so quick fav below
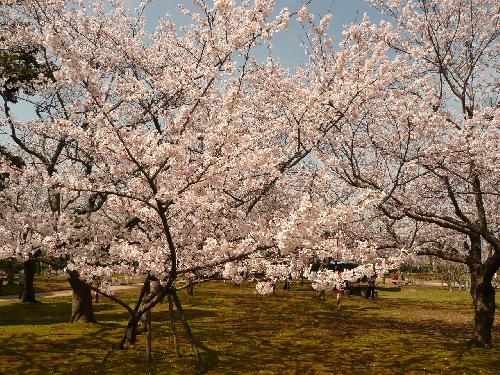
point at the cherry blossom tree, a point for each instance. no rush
(24, 221)
(27, 74)
(170, 157)
(420, 132)
(177, 154)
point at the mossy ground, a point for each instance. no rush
(42, 284)
(405, 331)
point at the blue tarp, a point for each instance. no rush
(340, 264)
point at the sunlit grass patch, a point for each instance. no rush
(41, 283)
(404, 331)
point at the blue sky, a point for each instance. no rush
(286, 45)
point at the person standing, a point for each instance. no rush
(339, 288)
(339, 291)
(49, 273)
(371, 287)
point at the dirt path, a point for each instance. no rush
(64, 293)
(432, 283)
(67, 292)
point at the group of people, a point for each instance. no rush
(345, 290)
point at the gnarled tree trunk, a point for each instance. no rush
(10, 272)
(483, 295)
(28, 294)
(81, 308)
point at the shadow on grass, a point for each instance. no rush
(318, 337)
(26, 357)
(245, 333)
(37, 313)
(44, 313)
(391, 289)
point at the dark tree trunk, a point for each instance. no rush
(81, 308)
(130, 332)
(28, 294)
(10, 272)
(483, 295)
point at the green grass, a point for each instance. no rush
(407, 331)
(41, 285)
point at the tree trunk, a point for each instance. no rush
(81, 308)
(483, 294)
(10, 272)
(130, 332)
(29, 278)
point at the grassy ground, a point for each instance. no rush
(408, 331)
(41, 285)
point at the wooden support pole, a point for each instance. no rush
(187, 330)
(148, 336)
(172, 325)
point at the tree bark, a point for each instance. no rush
(483, 295)
(10, 272)
(29, 278)
(130, 332)
(81, 308)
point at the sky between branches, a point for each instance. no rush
(286, 46)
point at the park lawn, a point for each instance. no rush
(407, 331)
(41, 285)
(56, 283)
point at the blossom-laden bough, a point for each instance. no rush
(419, 134)
(177, 154)
(156, 154)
